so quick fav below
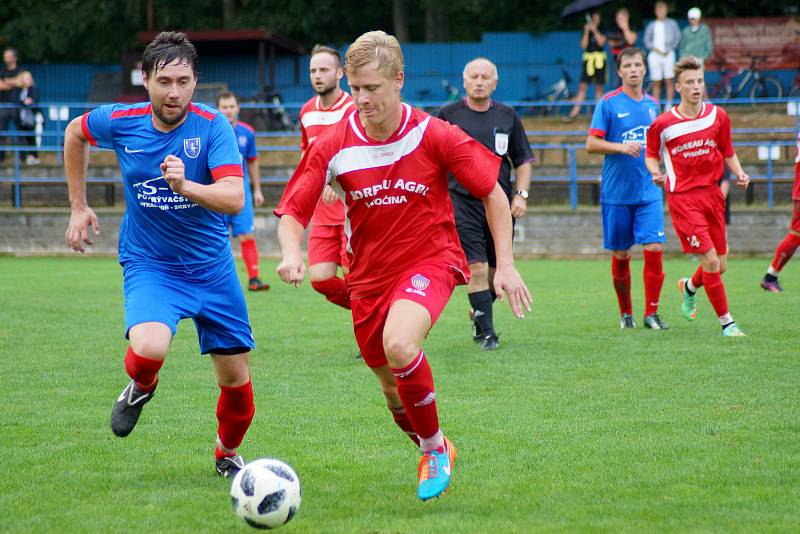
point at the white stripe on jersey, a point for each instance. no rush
(357, 158)
(324, 118)
(682, 128)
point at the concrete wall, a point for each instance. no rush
(542, 233)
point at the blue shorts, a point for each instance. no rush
(242, 222)
(627, 224)
(212, 297)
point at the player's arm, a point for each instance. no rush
(522, 182)
(225, 195)
(506, 279)
(598, 145)
(255, 181)
(742, 178)
(291, 270)
(76, 161)
(654, 168)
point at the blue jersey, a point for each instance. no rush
(160, 225)
(246, 139)
(620, 119)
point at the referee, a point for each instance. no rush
(497, 127)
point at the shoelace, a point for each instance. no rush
(431, 468)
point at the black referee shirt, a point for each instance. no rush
(498, 129)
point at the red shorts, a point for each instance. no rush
(430, 286)
(796, 216)
(328, 244)
(698, 216)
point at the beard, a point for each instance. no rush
(170, 121)
(325, 90)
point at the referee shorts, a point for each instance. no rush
(473, 230)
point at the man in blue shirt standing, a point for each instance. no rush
(632, 207)
(182, 173)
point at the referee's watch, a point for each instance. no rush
(522, 193)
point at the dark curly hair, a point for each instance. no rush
(166, 48)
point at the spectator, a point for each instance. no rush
(696, 38)
(622, 35)
(28, 97)
(10, 83)
(594, 63)
(661, 38)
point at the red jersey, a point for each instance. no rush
(693, 150)
(796, 189)
(399, 213)
(314, 119)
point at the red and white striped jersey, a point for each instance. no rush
(399, 213)
(693, 149)
(314, 119)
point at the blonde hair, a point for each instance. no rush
(687, 63)
(375, 46)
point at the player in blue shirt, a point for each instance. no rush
(242, 223)
(632, 207)
(182, 173)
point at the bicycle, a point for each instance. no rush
(557, 91)
(794, 88)
(762, 86)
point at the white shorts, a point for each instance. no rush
(661, 67)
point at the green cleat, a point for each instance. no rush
(689, 304)
(732, 331)
(626, 321)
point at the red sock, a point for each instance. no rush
(235, 411)
(250, 257)
(715, 290)
(415, 387)
(697, 277)
(334, 289)
(784, 251)
(401, 419)
(621, 273)
(143, 371)
(653, 280)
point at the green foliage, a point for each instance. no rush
(573, 425)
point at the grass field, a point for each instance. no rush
(572, 425)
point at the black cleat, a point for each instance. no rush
(477, 334)
(655, 322)
(626, 321)
(228, 466)
(490, 342)
(255, 284)
(128, 408)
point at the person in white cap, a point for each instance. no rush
(696, 39)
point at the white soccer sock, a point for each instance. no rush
(690, 286)
(432, 443)
(773, 271)
(725, 319)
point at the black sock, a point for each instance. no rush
(770, 278)
(481, 302)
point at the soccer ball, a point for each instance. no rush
(266, 493)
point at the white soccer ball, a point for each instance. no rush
(266, 493)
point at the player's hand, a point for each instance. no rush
(631, 149)
(659, 178)
(292, 270)
(78, 229)
(507, 281)
(519, 207)
(173, 171)
(742, 180)
(258, 197)
(329, 196)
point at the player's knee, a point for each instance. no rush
(399, 350)
(622, 254)
(156, 349)
(653, 247)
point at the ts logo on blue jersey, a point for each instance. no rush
(191, 147)
(636, 135)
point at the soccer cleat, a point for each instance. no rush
(732, 330)
(128, 408)
(490, 342)
(689, 303)
(477, 335)
(626, 321)
(655, 322)
(228, 466)
(255, 284)
(772, 287)
(434, 471)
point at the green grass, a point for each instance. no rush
(572, 425)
